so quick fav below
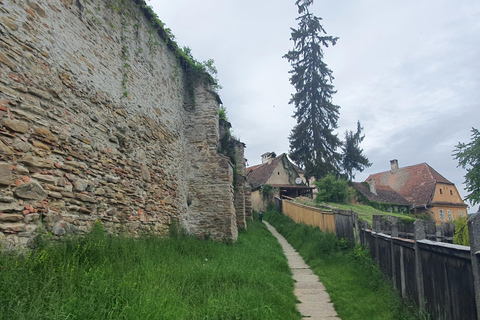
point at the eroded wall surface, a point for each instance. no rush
(96, 124)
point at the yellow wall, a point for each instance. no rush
(455, 212)
(258, 203)
(447, 193)
(447, 198)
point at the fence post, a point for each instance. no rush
(377, 226)
(357, 229)
(419, 234)
(392, 253)
(474, 234)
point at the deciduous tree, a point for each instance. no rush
(313, 144)
(468, 156)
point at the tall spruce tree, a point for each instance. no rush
(353, 157)
(313, 145)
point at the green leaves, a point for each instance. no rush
(468, 156)
(331, 189)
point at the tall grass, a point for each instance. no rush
(102, 277)
(356, 285)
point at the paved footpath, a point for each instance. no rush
(314, 300)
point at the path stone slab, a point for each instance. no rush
(314, 300)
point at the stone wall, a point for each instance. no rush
(97, 124)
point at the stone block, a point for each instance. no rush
(45, 133)
(45, 178)
(6, 177)
(31, 190)
(10, 207)
(15, 125)
(5, 217)
(12, 227)
(36, 161)
(10, 23)
(4, 149)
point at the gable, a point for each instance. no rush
(278, 171)
(281, 175)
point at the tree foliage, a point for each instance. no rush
(331, 189)
(468, 156)
(461, 236)
(313, 145)
(353, 157)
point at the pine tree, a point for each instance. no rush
(352, 157)
(313, 145)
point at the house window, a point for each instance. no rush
(450, 217)
(451, 192)
(441, 191)
(442, 215)
(460, 214)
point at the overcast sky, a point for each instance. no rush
(408, 70)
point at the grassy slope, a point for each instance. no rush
(364, 212)
(356, 286)
(150, 278)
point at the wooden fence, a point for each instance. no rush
(441, 278)
(337, 221)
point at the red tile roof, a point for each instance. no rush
(414, 183)
(385, 194)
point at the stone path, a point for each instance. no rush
(314, 300)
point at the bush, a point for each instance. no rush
(461, 236)
(331, 189)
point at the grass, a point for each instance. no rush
(356, 285)
(102, 277)
(364, 212)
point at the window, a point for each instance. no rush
(441, 191)
(460, 214)
(442, 215)
(451, 192)
(450, 217)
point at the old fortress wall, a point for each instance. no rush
(98, 123)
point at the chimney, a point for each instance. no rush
(371, 183)
(394, 165)
(267, 157)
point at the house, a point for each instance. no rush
(426, 190)
(279, 173)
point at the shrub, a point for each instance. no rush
(331, 189)
(461, 236)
